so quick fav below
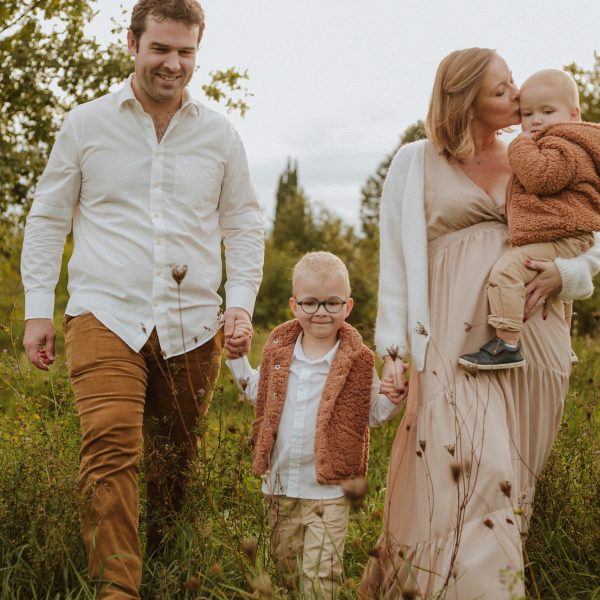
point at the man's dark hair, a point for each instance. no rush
(184, 11)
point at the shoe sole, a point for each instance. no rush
(500, 367)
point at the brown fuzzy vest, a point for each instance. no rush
(555, 192)
(342, 434)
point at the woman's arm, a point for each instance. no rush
(569, 278)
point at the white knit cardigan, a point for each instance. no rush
(403, 308)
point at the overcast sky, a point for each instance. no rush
(335, 82)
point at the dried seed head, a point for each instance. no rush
(393, 352)
(423, 444)
(468, 326)
(216, 570)
(178, 272)
(409, 594)
(350, 584)
(262, 584)
(489, 523)
(249, 546)
(420, 329)
(455, 471)
(192, 584)
(355, 490)
(451, 449)
(510, 521)
(243, 381)
(375, 552)
(232, 429)
(419, 453)
(505, 487)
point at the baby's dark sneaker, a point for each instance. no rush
(495, 355)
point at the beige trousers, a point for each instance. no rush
(509, 276)
(123, 397)
(308, 537)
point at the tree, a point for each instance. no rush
(48, 66)
(588, 83)
(371, 191)
(293, 227)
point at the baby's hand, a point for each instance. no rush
(388, 388)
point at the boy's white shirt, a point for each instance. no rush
(293, 471)
(403, 304)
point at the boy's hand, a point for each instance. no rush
(238, 333)
(393, 380)
(38, 342)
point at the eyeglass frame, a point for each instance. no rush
(320, 303)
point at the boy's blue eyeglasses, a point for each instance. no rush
(311, 305)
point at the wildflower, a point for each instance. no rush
(420, 329)
(192, 584)
(489, 523)
(178, 272)
(451, 449)
(505, 487)
(393, 352)
(355, 490)
(376, 515)
(216, 570)
(249, 545)
(262, 584)
(455, 471)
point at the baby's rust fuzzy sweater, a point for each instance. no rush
(555, 191)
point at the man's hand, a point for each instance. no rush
(238, 332)
(38, 342)
(544, 285)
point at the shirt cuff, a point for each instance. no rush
(240, 368)
(574, 285)
(240, 297)
(39, 305)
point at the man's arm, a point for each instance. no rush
(47, 226)
(241, 225)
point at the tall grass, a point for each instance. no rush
(219, 548)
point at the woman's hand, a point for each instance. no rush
(393, 380)
(544, 285)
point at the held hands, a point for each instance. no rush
(546, 284)
(393, 380)
(238, 332)
(38, 341)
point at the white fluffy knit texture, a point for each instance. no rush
(403, 309)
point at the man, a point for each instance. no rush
(150, 181)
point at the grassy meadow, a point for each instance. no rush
(219, 548)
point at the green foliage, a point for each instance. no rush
(588, 83)
(371, 191)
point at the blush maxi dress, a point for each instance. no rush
(466, 455)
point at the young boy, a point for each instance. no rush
(552, 208)
(316, 395)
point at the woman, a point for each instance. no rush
(465, 459)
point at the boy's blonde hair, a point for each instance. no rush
(321, 265)
(561, 81)
(457, 83)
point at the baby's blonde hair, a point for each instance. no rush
(561, 81)
(321, 265)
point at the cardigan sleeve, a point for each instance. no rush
(577, 273)
(392, 311)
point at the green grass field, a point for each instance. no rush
(212, 552)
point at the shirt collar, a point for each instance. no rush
(299, 353)
(125, 95)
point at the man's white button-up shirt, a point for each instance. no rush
(293, 471)
(137, 208)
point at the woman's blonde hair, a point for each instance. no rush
(322, 266)
(457, 83)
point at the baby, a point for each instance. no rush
(552, 207)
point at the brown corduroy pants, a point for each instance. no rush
(123, 397)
